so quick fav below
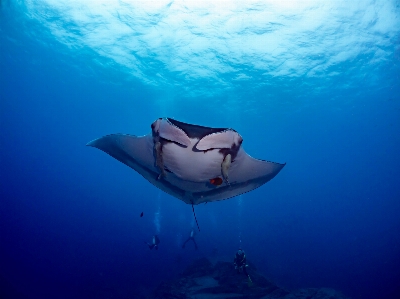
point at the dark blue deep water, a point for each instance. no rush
(314, 84)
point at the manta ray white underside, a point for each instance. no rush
(193, 163)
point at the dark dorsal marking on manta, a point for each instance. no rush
(195, 131)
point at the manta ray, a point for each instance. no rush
(193, 163)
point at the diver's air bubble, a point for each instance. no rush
(240, 207)
(157, 215)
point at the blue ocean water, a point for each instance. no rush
(311, 83)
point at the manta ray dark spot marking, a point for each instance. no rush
(216, 181)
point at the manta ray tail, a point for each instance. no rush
(195, 217)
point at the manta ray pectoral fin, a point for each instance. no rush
(170, 132)
(224, 139)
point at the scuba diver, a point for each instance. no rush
(240, 263)
(154, 243)
(191, 237)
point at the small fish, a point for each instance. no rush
(141, 214)
(216, 181)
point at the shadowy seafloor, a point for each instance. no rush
(203, 279)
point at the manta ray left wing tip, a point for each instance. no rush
(91, 143)
(106, 140)
(97, 141)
